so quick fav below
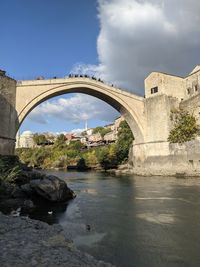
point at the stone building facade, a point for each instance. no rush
(25, 140)
(156, 156)
(182, 88)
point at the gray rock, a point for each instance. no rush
(26, 188)
(6, 189)
(26, 243)
(18, 193)
(9, 205)
(28, 205)
(52, 188)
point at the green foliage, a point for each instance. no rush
(76, 145)
(33, 156)
(10, 169)
(106, 156)
(125, 139)
(60, 154)
(97, 130)
(90, 157)
(185, 127)
(81, 165)
(101, 130)
(60, 140)
(40, 139)
(11, 175)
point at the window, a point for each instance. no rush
(188, 91)
(196, 88)
(154, 90)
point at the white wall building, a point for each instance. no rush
(25, 140)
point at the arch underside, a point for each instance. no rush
(111, 98)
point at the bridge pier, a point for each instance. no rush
(8, 114)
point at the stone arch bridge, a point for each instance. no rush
(29, 94)
(148, 117)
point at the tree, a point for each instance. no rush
(125, 139)
(107, 156)
(185, 127)
(39, 139)
(76, 145)
(60, 140)
(81, 165)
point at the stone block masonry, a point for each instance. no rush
(8, 114)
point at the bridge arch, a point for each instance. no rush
(32, 93)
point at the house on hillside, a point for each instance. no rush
(25, 140)
(110, 137)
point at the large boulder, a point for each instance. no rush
(52, 188)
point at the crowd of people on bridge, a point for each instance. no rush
(84, 76)
(72, 75)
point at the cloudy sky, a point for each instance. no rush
(121, 41)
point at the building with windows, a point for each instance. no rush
(180, 87)
(25, 140)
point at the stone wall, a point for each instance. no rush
(192, 105)
(157, 112)
(192, 84)
(8, 114)
(163, 158)
(167, 84)
(156, 156)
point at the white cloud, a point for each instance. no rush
(140, 36)
(90, 70)
(77, 131)
(136, 37)
(77, 108)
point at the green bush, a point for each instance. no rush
(185, 127)
(125, 139)
(10, 168)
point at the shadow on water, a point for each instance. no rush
(46, 211)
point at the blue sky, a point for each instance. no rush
(122, 41)
(46, 38)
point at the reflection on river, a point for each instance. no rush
(134, 221)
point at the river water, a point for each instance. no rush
(134, 221)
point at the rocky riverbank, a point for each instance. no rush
(21, 187)
(28, 243)
(25, 242)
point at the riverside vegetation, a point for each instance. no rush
(185, 127)
(60, 155)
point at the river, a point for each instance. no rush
(131, 221)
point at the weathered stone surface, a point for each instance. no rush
(52, 188)
(26, 188)
(12, 204)
(18, 193)
(8, 115)
(28, 243)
